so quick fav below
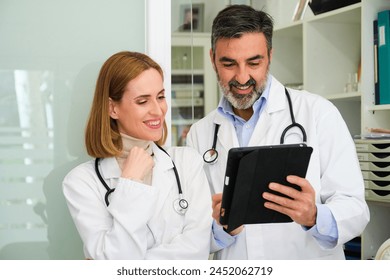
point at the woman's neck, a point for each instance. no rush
(128, 142)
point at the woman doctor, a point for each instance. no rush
(142, 206)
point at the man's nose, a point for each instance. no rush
(242, 75)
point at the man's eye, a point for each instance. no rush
(228, 65)
(161, 97)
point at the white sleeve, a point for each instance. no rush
(114, 232)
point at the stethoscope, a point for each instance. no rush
(180, 204)
(211, 155)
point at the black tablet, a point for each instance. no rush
(249, 171)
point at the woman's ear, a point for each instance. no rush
(112, 109)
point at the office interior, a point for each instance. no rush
(50, 55)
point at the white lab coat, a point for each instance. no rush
(333, 172)
(140, 221)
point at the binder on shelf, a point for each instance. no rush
(376, 69)
(384, 56)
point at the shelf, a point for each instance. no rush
(183, 121)
(379, 108)
(187, 72)
(345, 96)
(187, 102)
(346, 14)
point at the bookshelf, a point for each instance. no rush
(194, 84)
(317, 53)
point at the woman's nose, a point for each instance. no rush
(157, 108)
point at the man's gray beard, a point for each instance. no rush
(242, 101)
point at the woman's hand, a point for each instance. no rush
(137, 164)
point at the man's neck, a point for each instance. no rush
(246, 114)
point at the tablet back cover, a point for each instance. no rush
(248, 174)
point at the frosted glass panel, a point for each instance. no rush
(50, 55)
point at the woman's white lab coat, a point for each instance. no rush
(140, 221)
(333, 172)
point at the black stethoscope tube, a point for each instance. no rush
(211, 155)
(180, 204)
(293, 122)
(109, 190)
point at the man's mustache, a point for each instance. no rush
(250, 82)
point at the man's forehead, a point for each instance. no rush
(249, 45)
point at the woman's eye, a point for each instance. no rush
(141, 101)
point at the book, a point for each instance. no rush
(384, 56)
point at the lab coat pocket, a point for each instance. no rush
(174, 225)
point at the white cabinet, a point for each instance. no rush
(318, 54)
(194, 84)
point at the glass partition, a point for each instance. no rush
(194, 85)
(50, 55)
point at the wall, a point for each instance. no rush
(50, 55)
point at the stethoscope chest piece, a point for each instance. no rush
(180, 205)
(210, 156)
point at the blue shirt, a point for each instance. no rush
(244, 129)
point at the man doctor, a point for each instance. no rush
(330, 209)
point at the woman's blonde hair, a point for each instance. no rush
(102, 137)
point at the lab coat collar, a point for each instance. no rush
(162, 179)
(109, 167)
(163, 160)
(226, 134)
(276, 101)
(277, 98)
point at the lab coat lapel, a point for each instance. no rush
(162, 179)
(276, 102)
(109, 168)
(258, 137)
(227, 136)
